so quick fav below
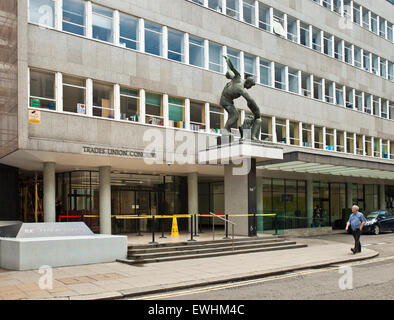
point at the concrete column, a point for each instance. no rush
(206, 54)
(286, 78)
(59, 15)
(313, 135)
(165, 110)
(165, 42)
(354, 143)
(300, 134)
(242, 64)
(49, 192)
(287, 131)
(335, 139)
(207, 118)
(324, 129)
(349, 195)
(273, 74)
(59, 91)
(116, 27)
(186, 48)
(271, 19)
(105, 200)
(363, 146)
(258, 70)
(309, 201)
(256, 13)
(187, 114)
(141, 34)
(382, 197)
(273, 128)
(241, 10)
(117, 101)
(192, 194)
(142, 104)
(89, 97)
(299, 73)
(298, 32)
(89, 29)
(310, 36)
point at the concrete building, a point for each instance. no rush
(105, 106)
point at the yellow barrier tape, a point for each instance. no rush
(134, 216)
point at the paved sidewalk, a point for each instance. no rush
(117, 280)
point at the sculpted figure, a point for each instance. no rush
(234, 89)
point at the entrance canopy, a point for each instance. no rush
(301, 162)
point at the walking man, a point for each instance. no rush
(356, 222)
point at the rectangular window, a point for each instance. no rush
(175, 45)
(266, 129)
(317, 88)
(375, 105)
(306, 85)
(293, 80)
(389, 31)
(215, 5)
(42, 90)
(129, 104)
(264, 17)
(316, 39)
(280, 81)
(382, 27)
(349, 143)
(279, 24)
(366, 22)
(390, 71)
(201, 2)
(304, 34)
(327, 44)
(235, 57)
(366, 61)
(329, 91)
(74, 95)
(216, 118)
(368, 104)
(338, 49)
(375, 65)
(338, 6)
(249, 11)
(339, 95)
(232, 9)
(292, 33)
(153, 109)
(330, 139)
(265, 72)
(250, 67)
(340, 141)
(347, 9)
(348, 53)
(349, 98)
(196, 51)
(74, 16)
(215, 57)
(356, 13)
(327, 4)
(306, 135)
(318, 137)
(176, 113)
(128, 27)
(103, 100)
(374, 23)
(359, 101)
(196, 116)
(391, 114)
(280, 130)
(102, 21)
(153, 38)
(384, 108)
(42, 12)
(357, 57)
(383, 68)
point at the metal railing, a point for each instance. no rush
(226, 221)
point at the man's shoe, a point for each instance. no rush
(354, 251)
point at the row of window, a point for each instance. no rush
(361, 16)
(269, 19)
(64, 93)
(97, 22)
(204, 53)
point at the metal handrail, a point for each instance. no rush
(226, 220)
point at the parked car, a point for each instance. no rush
(379, 221)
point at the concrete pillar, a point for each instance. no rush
(116, 27)
(382, 197)
(192, 194)
(142, 104)
(349, 195)
(240, 198)
(49, 192)
(309, 201)
(105, 200)
(141, 34)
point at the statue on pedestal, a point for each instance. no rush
(233, 90)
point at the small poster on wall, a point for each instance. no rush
(81, 108)
(35, 116)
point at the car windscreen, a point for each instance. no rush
(372, 215)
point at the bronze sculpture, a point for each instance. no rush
(233, 90)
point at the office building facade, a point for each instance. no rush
(107, 104)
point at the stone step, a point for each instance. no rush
(199, 245)
(198, 242)
(180, 252)
(210, 255)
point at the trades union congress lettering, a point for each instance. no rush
(117, 152)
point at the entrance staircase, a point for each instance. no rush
(141, 254)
